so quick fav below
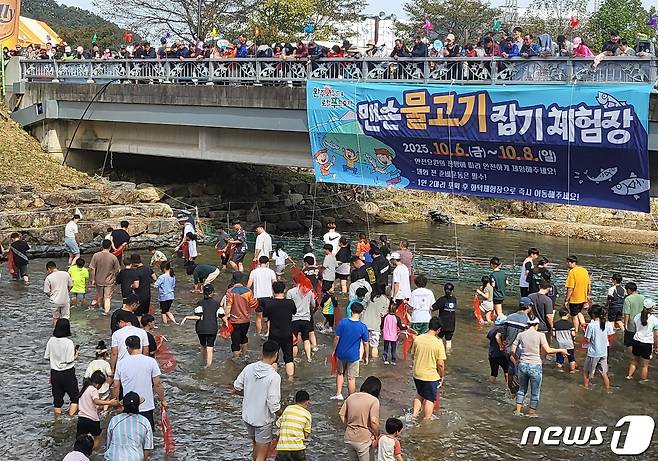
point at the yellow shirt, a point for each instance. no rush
(80, 276)
(295, 426)
(578, 279)
(425, 352)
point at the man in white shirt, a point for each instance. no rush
(126, 329)
(401, 286)
(57, 285)
(72, 239)
(528, 263)
(302, 320)
(260, 283)
(263, 246)
(332, 237)
(421, 302)
(139, 373)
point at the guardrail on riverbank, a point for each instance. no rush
(296, 71)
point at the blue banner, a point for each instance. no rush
(582, 145)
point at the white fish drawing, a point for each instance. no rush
(632, 186)
(607, 100)
(604, 175)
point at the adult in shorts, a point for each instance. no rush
(351, 335)
(302, 320)
(72, 239)
(62, 354)
(103, 270)
(645, 341)
(57, 285)
(429, 356)
(240, 301)
(279, 312)
(260, 385)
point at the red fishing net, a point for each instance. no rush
(165, 358)
(476, 309)
(226, 330)
(407, 343)
(167, 432)
(332, 362)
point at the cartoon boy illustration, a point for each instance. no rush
(322, 157)
(351, 158)
(384, 166)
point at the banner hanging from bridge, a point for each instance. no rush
(576, 144)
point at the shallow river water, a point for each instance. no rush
(475, 421)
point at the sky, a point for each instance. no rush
(374, 7)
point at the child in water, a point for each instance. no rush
(388, 446)
(391, 326)
(88, 417)
(447, 307)
(101, 363)
(597, 333)
(166, 286)
(80, 276)
(280, 258)
(485, 295)
(565, 333)
(328, 304)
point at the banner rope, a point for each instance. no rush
(569, 205)
(363, 180)
(452, 180)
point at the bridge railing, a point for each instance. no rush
(286, 71)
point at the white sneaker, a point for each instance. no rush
(315, 349)
(386, 362)
(337, 397)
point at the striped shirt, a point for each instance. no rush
(128, 435)
(295, 425)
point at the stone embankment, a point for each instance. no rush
(42, 215)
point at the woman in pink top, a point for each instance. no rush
(580, 50)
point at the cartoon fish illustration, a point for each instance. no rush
(607, 100)
(632, 186)
(604, 175)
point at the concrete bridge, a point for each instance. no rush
(251, 111)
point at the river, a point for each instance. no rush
(475, 421)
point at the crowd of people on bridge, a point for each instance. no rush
(366, 296)
(516, 44)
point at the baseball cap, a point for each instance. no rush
(533, 321)
(395, 255)
(132, 400)
(649, 303)
(450, 37)
(525, 302)
(198, 310)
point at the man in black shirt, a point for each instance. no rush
(381, 267)
(611, 46)
(279, 312)
(359, 269)
(120, 239)
(144, 276)
(19, 248)
(129, 305)
(126, 278)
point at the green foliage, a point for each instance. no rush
(627, 17)
(283, 20)
(467, 19)
(75, 25)
(553, 17)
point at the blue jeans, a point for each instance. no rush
(532, 374)
(392, 345)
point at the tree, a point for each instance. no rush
(466, 19)
(627, 17)
(154, 18)
(553, 16)
(283, 20)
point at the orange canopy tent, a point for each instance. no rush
(36, 33)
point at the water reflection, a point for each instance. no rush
(475, 421)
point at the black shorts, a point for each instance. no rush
(327, 284)
(343, 276)
(628, 338)
(330, 319)
(615, 315)
(239, 336)
(447, 335)
(64, 382)
(498, 362)
(207, 340)
(143, 308)
(302, 326)
(21, 270)
(498, 301)
(259, 308)
(88, 426)
(285, 344)
(297, 455)
(642, 350)
(575, 309)
(426, 389)
(148, 415)
(165, 306)
(237, 257)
